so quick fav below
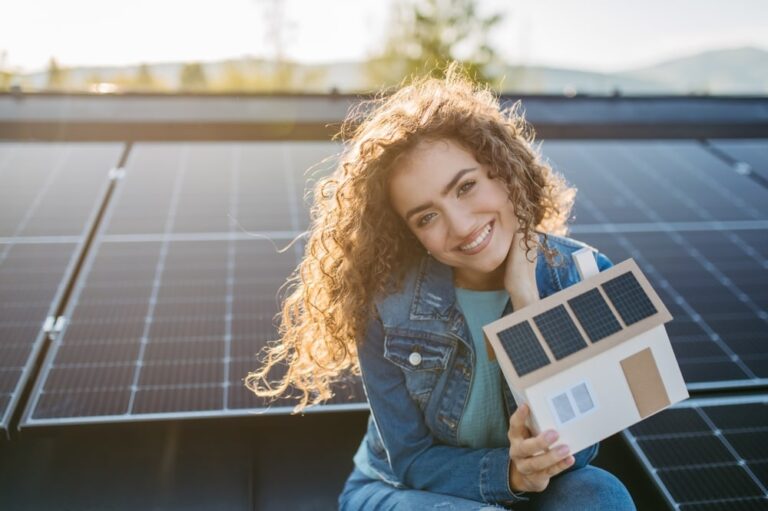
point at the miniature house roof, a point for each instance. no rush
(577, 323)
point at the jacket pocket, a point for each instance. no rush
(423, 359)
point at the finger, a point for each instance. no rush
(558, 467)
(538, 444)
(544, 462)
(517, 427)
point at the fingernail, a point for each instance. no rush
(550, 436)
(570, 460)
(562, 450)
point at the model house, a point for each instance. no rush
(592, 359)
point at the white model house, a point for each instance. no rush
(592, 359)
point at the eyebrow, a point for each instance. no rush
(445, 191)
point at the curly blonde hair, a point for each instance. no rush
(359, 248)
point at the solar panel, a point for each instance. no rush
(523, 348)
(702, 456)
(753, 152)
(594, 315)
(629, 298)
(559, 332)
(669, 181)
(175, 299)
(49, 195)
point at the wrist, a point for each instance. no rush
(523, 297)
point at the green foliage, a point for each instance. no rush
(425, 36)
(192, 78)
(57, 76)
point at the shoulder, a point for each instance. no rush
(564, 267)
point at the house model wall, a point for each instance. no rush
(592, 359)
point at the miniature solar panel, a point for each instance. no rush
(629, 298)
(176, 298)
(707, 454)
(594, 315)
(523, 348)
(559, 332)
(49, 194)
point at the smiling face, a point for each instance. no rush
(459, 214)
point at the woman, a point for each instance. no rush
(433, 225)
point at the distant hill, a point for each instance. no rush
(732, 71)
(742, 71)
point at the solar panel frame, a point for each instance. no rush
(744, 483)
(76, 242)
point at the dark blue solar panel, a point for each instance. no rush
(628, 298)
(561, 334)
(523, 348)
(594, 315)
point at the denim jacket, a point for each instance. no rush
(417, 360)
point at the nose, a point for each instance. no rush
(461, 223)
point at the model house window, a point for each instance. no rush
(573, 403)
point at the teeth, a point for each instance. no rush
(480, 238)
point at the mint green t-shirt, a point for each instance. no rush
(484, 423)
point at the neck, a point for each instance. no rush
(493, 281)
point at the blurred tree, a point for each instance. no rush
(6, 76)
(424, 36)
(145, 80)
(192, 77)
(57, 75)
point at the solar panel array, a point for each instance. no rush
(559, 331)
(707, 454)
(49, 194)
(180, 287)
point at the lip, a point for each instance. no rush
(474, 235)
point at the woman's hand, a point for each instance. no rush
(532, 463)
(520, 274)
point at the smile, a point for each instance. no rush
(479, 242)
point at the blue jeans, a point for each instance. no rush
(585, 488)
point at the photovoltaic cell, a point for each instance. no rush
(628, 298)
(558, 330)
(702, 458)
(594, 315)
(523, 348)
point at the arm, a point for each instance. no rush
(413, 453)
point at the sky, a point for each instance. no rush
(595, 35)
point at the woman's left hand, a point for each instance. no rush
(520, 273)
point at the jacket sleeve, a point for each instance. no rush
(414, 455)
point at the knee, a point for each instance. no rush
(591, 488)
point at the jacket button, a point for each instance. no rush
(415, 358)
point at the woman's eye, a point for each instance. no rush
(425, 220)
(464, 188)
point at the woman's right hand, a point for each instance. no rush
(532, 463)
